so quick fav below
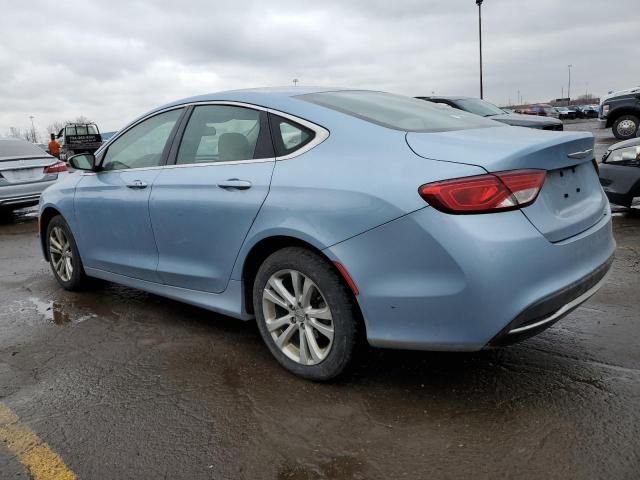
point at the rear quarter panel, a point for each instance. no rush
(362, 176)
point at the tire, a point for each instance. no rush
(625, 127)
(326, 294)
(60, 245)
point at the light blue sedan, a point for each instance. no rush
(339, 216)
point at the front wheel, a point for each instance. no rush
(305, 314)
(63, 255)
(625, 127)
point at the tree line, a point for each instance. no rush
(32, 135)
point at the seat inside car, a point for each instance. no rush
(233, 146)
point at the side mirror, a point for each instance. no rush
(83, 161)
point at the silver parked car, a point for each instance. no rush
(25, 171)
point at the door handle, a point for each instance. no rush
(235, 184)
(137, 184)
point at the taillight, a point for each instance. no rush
(489, 193)
(57, 167)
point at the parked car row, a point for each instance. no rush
(563, 113)
(339, 216)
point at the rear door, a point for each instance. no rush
(112, 205)
(202, 207)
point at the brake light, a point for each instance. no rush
(57, 167)
(489, 193)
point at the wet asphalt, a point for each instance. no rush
(127, 385)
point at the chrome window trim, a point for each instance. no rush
(321, 135)
(184, 165)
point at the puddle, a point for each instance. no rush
(57, 312)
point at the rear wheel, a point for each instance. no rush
(305, 314)
(625, 127)
(63, 255)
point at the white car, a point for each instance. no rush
(25, 171)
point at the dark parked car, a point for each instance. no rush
(620, 172)
(585, 111)
(486, 109)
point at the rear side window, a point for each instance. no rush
(398, 112)
(289, 136)
(224, 133)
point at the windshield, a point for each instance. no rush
(398, 112)
(479, 107)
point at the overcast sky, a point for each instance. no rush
(112, 60)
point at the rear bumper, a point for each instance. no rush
(15, 195)
(544, 313)
(602, 123)
(432, 281)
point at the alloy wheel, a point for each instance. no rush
(298, 317)
(60, 253)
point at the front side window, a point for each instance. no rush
(398, 112)
(142, 146)
(289, 136)
(222, 133)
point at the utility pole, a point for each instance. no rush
(479, 3)
(569, 87)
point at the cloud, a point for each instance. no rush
(115, 59)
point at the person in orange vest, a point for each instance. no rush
(54, 147)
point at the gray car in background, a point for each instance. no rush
(486, 109)
(25, 171)
(620, 172)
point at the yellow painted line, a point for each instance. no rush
(42, 462)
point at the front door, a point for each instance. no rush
(112, 205)
(202, 208)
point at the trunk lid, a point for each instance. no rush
(571, 199)
(22, 170)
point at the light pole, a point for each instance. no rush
(479, 3)
(33, 129)
(569, 87)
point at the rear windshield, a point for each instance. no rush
(398, 112)
(20, 148)
(479, 107)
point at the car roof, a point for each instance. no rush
(267, 94)
(278, 98)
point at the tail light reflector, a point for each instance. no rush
(489, 193)
(57, 167)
